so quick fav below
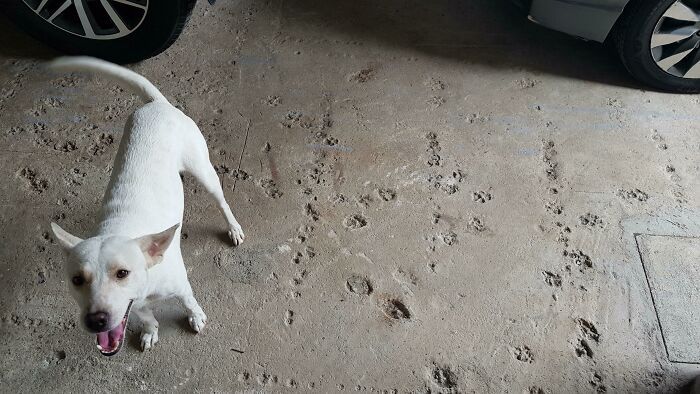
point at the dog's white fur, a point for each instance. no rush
(142, 209)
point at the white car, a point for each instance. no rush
(657, 40)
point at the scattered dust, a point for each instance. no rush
(442, 376)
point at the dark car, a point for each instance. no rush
(122, 31)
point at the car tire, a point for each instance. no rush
(642, 22)
(144, 28)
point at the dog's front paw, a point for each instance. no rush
(148, 339)
(197, 321)
(236, 235)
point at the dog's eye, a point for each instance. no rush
(78, 280)
(121, 274)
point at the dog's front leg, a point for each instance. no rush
(195, 314)
(149, 331)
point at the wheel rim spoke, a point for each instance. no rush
(114, 17)
(41, 6)
(98, 20)
(682, 12)
(670, 61)
(84, 20)
(130, 3)
(694, 71)
(675, 40)
(60, 9)
(675, 35)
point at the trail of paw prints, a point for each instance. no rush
(590, 220)
(9, 91)
(564, 232)
(436, 87)
(659, 140)
(522, 354)
(476, 225)
(304, 256)
(552, 205)
(447, 183)
(577, 258)
(102, 144)
(669, 169)
(266, 379)
(482, 196)
(394, 308)
(442, 377)
(447, 238)
(574, 259)
(596, 383)
(364, 200)
(269, 188)
(588, 334)
(632, 195)
(304, 233)
(32, 181)
(551, 172)
(434, 159)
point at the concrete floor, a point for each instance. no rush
(437, 196)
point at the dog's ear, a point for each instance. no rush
(154, 245)
(67, 240)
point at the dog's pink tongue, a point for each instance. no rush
(103, 340)
(109, 340)
(115, 336)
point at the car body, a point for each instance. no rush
(658, 41)
(588, 19)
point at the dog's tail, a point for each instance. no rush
(131, 80)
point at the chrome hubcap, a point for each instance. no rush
(93, 19)
(675, 43)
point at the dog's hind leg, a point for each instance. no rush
(149, 332)
(195, 314)
(200, 167)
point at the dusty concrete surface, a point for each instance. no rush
(437, 197)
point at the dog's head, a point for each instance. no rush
(106, 275)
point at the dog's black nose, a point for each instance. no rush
(96, 322)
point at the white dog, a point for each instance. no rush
(134, 259)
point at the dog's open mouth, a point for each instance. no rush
(110, 342)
